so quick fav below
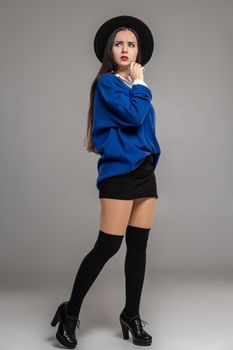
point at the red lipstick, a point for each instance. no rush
(124, 58)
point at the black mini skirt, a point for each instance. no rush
(141, 182)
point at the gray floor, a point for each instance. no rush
(184, 312)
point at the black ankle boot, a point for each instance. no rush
(67, 326)
(140, 337)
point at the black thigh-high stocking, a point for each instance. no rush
(105, 247)
(135, 265)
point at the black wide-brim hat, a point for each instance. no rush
(143, 31)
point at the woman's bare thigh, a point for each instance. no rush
(142, 213)
(115, 214)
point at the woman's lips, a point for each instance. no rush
(124, 58)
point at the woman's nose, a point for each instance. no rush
(124, 49)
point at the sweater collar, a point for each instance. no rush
(128, 82)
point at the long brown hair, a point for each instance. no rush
(108, 65)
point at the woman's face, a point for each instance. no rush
(125, 44)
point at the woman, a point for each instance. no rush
(121, 128)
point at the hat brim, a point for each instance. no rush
(143, 31)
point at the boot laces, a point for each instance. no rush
(140, 323)
(74, 318)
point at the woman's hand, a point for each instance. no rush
(136, 71)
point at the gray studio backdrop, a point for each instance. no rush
(49, 201)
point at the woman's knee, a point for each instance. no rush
(136, 238)
(107, 244)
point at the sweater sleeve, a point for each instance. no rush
(129, 108)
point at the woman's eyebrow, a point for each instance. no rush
(121, 41)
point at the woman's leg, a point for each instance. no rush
(113, 222)
(137, 234)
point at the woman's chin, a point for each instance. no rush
(123, 64)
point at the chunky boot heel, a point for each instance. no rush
(56, 319)
(67, 326)
(125, 330)
(134, 325)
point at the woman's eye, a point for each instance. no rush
(129, 44)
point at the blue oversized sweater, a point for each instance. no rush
(123, 130)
